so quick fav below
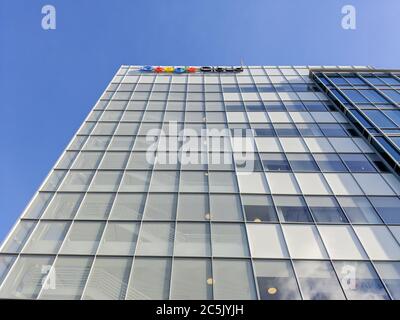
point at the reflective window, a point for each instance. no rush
(193, 207)
(388, 208)
(357, 163)
(302, 162)
(359, 210)
(318, 280)
(326, 210)
(292, 209)
(276, 280)
(275, 162)
(389, 272)
(330, 163)
(366, 284)
(259, 208)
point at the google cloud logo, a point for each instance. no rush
(170, 69)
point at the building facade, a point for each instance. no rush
(253, 182)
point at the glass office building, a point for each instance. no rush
(238, 183)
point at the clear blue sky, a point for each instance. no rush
(49, 80)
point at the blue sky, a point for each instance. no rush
(49, 80)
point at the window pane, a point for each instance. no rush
(222, 182)
(164, 181)
(366, 284)
(6, 262)
(106, 181)
(26, 278)
(388, 208)
(275, 162)
(253, 182)
(330, 163)
(87, 160)
(47, 237)
(341, 242)
(390, 274)
(302, 162)
(71, 275)
(229, 240)
(63, 206)
(95, 206)
(304, 242)
(325, 210)
(357, 163)
(160, 206)
(114, 160)
(233, 279)
(19, 236)
(77, 181)
(135, 181)
(83, 238)
(192, 239)
(156, 238)
(259, 208)
(292, 209)
(262, 234)
(193, 181)
(128, 206)
(318, 280)
(225, 208)
(38, 205)
(191, 279)
(378, 242)
(150, 279)
(119, 238)
(276, 280)
(359, 210)
(193, 207)
(108, 279)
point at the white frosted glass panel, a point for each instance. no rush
(262, 234)
(304, 242)
(378, 242)
(341, 242)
